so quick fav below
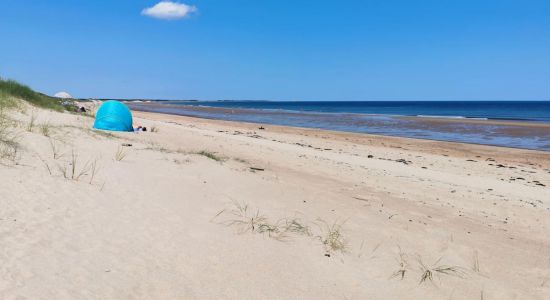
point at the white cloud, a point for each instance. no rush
(169, 10)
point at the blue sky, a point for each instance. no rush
(281, 50)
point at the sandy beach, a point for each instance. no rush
(207, 209)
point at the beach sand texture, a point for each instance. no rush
(205, 209)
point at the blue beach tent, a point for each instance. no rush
(113, 115)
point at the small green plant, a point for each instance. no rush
(246, 221)
(210, 155)
(46, 129)
(32, 121)
(242, 218)
(240, 160)
(159, 148)
(273, 230)
(54, 146)
(94, 168)
(120, 154)
(296, 226)
(45, 164)
(428, 272)
(332, 237)
(403, 266)
(72, 171)
(9, 145)
(9, 150)
(475, 266)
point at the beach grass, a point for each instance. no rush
(10, 90)
(7, 100)
(297, 226)
(73, 171)
(428, 272)
(245, 220)
(475, 266)
(9, 145)
(210, 155)
(120, 154)
(94, 168)
(32, 122)
(46, 129)
(332, 237)
(56, 150)
(403, 266)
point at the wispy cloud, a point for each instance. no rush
(168, 10)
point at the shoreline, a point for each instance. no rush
(513, 134)
(417, 144)
(457, 119)
(337, 132)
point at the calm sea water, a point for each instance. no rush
(387, 118)
(503, 110)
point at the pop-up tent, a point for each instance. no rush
(113, 115)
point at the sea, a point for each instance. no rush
(518, 124)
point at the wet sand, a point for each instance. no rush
(518, 134)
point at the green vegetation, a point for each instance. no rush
(332, 237)
(210, 155)
(120, 154)
(72, 171)
(11, 90)
(8, 138)
(428, 272)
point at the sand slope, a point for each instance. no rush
(158, 224)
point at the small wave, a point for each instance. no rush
(450, 117)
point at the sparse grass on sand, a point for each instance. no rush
(210, 155)
(120, 153)
(32, 122)
(101, 133)
(403, 266)
(159, 148)
(242, 218)
(475, 266)
(73, 171)
(428, 272)
(94, 168)
(9, 145)
(245, 220)
(46, 129)
(242, 161)
(56, 150)
(331, 236)
(7, 100)
(297, 226)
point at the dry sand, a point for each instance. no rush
(157, 220)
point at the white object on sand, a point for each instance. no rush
(63, 95)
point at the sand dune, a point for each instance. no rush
(328, 215)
